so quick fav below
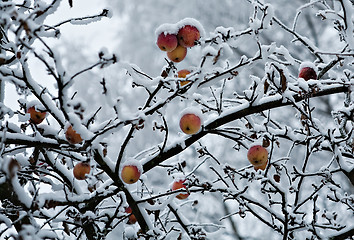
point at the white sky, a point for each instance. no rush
(95, 34)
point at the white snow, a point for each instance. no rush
(192, 22)
(209, 50)
(133, 162)
(308, 64)
(36, 104)
(269, 15)
(348, 5)
(130, 233)
(4, 219)
(24, 118)
(21, 193)
(78, 127)
(173, 28)
(166, 28)
(177, 177)
(192, 110)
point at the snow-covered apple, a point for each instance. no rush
(188, 35)
(178, 185)
(36, 116)
(81, 169)
(258, 156)
(190, 123)
(183, 74)
(167, 42)
(307, 73)
(72, 136)
(130, 173)
(178, 54)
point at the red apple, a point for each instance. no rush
(183, 74)
(81, 169)
(190, 123)
(178, 54)
(130, 174)
(188, 35)
(36, 117)
(132, 218)
(308, 73)
(178, 185)
(258, 157)
(72, 136)
(167, 42)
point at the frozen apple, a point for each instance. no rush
(307, 71)
(81, 169)
(190, 123)
(178, 54)
(132, 218)
(188, 35)
(72, 136)
(36, 115)
(130, 173)
(178, 185)
(258, 157)
(183, 74)
(167, 42)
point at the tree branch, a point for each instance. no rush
(226, 118)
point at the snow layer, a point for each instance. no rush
(170, 28)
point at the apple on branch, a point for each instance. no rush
(167, 42)
(258, 156)
(191, 121)
(132, 218)
(178, 54)
(188, 35)
(37, 112)
(81, 169)
(183, 74)
(178, 184)
(72, 136)
(131, 171)
(307, 71)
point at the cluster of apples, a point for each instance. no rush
(129, 174)
(190, 123)
(37, 116)
(176, 38)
